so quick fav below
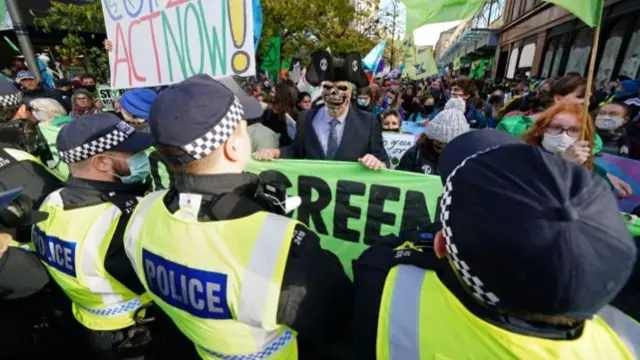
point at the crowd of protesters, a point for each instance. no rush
(553, 140)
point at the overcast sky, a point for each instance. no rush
(426, 35)
(429, 34)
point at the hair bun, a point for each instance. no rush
(455, 103)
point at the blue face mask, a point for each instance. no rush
(139, 169)
(363, 102)
(387, 101)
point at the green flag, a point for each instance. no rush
(271, 55)
(422, 12)
(589, 11)
(425, 64)
(286, 64)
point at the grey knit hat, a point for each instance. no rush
(449, 123)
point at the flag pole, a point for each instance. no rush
(591, 74)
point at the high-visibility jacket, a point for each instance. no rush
(219, 281)
(73, 244)
(35, 183)
(420, 319)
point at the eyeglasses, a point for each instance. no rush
(573, 131)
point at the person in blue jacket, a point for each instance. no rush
(465, 88)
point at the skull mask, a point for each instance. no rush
(336, 96)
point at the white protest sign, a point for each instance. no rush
(163, 42)
(396, 145)
(108, 96)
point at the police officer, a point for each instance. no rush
(81, 242)
(19, 162)
(238, 281)
(533, 248)
(21, 274)
(29, 318)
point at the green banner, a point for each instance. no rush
(271, 55)
(589, 11)
(351, 207)
(422, 12)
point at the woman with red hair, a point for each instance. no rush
(561, 129)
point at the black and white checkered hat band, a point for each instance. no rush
(213, 139)
(11, 100)
(95, 147)
(476, 285)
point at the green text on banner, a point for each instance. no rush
(351, 207)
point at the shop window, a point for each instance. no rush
(580, 51)
(631, 63)
(555, 68)
(526, 59)
(548, 58)
(513, 58)
(610, 54)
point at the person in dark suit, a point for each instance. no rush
(336, 130)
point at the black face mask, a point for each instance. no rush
(89, 88)
(427, 109)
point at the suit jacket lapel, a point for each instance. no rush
(349, 129)
(313, 137)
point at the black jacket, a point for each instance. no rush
(43, 92)
(362, 135)
(278, 124)
(419, 160)
(316, 295)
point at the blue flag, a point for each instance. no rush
(371, 61)
(257, 23)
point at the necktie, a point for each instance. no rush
(332, 144)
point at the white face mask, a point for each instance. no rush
(557, 143)
(608, 123)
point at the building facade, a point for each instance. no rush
(543, 40)
(473, 40)
(443, 41)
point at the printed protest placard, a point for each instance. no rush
(163, 42)
(108, 95)
(396, 145)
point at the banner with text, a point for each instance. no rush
(351, 207)
(396, 145)
(108, 96)
(164, 42)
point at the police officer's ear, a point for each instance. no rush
(101, 163)
(439, 245)
(237, 148)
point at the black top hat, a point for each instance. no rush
(324, 67)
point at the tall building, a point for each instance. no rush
(443, 41)
(546, 41)
(472, 40)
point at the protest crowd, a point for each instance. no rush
(339, 216)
